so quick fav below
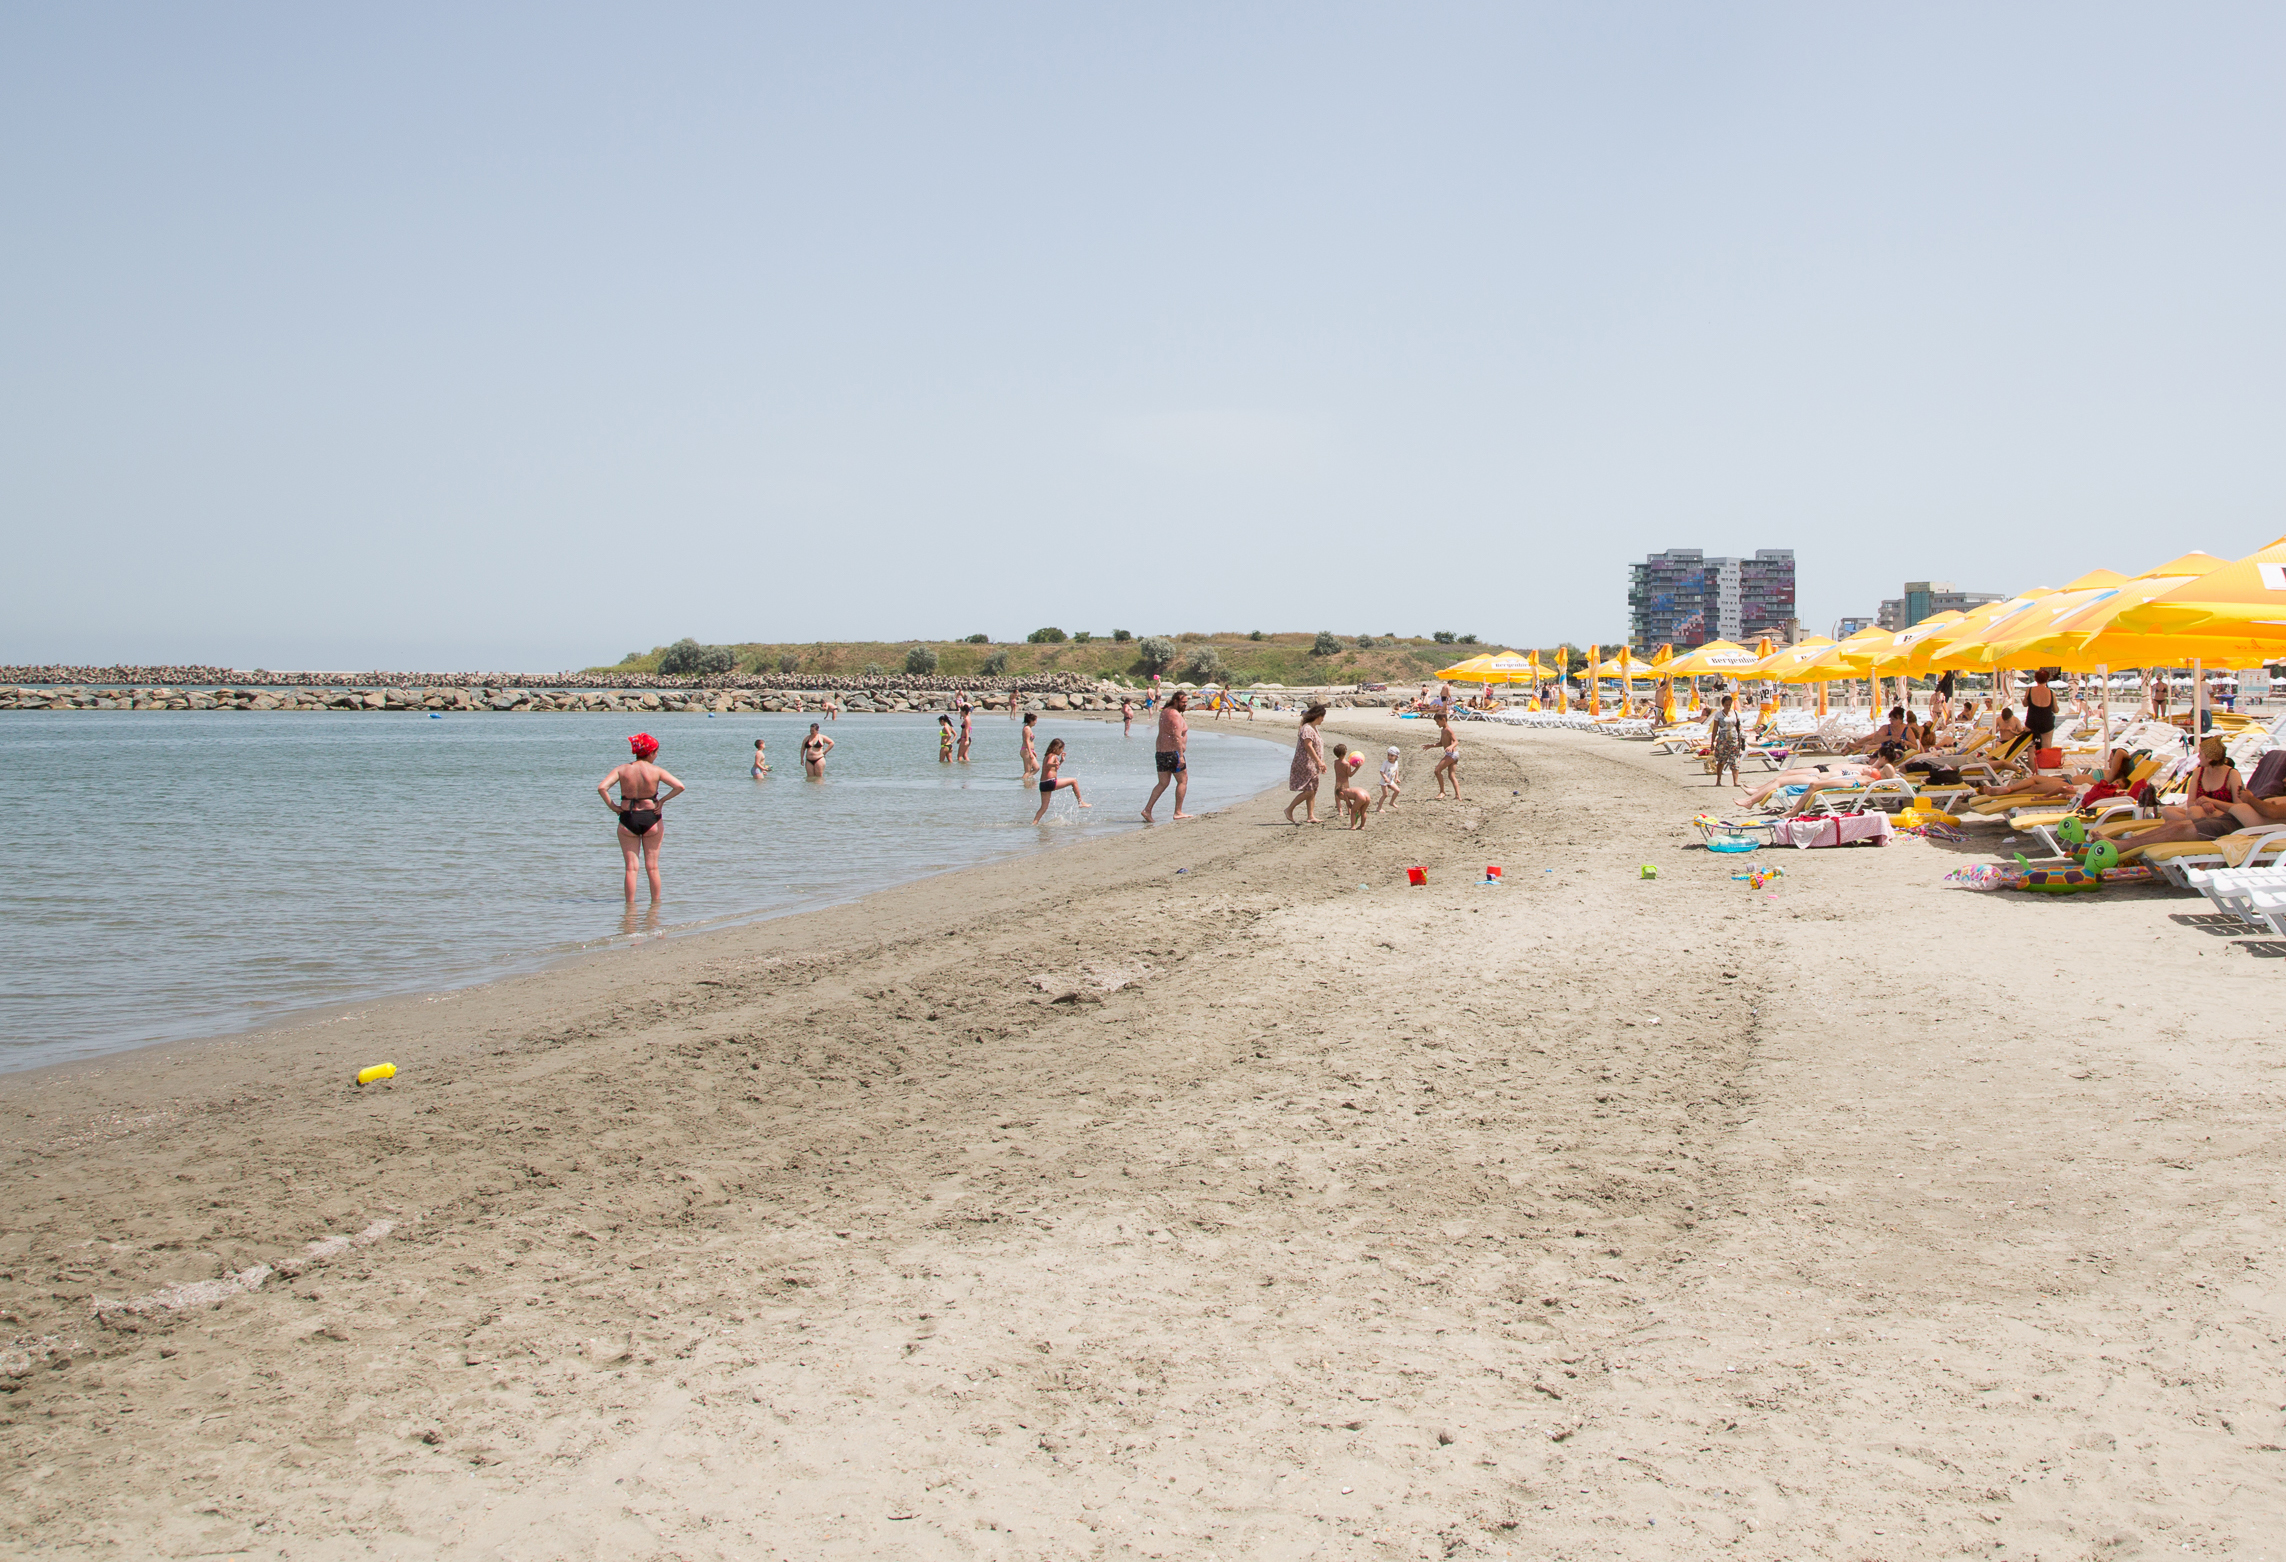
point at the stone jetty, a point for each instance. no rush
(223, 688)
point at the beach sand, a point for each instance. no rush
(1174, 1195)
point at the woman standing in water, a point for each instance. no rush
(1031, 755)
(967, 714)
(815, 747)
(642, 826)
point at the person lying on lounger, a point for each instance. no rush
(1818, 777)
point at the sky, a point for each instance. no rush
(500, 337)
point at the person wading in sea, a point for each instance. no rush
(1172, 756)
(815, 747)
(967, 714)
(642, 825)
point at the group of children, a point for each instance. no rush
(1350, 797)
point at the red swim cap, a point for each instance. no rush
(644, 745)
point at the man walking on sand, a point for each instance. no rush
(1172, 756)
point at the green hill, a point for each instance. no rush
(1297, 659)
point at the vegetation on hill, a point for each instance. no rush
(1315, 657)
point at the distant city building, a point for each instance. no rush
(1683, 598)
(1845, 627)
(1926, 599)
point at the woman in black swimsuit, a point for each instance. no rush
(815, 747)
(642, 825)
(2040, 710)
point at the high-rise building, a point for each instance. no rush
(1926, 599)
(1684, 599)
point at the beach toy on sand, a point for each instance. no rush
(1492, 870)
(1416, 875)
(1649, 870)
(378, 1072)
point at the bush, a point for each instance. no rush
(995, 665)
(1443, 637)
(921, 660)
(686, 658)
(1081, 637)
(1468, 639)
(1365, 642)
(980, 639)
(872, 669)
(1204, 666)
(1326, 644)
(1158, 653)
(1049, 636)
(789, 662)
(1257, 635)
(1122, 636)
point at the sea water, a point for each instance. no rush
(198, 873)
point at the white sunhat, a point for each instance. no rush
(1392, 751)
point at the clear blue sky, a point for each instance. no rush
(406, 336)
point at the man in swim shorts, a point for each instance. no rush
(1172, 756)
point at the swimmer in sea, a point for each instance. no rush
(1031, 758)
(815, 747)
(967, 713)
(944, 740)
(1049, 782)
(642, 825)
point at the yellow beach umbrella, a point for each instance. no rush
(1956, 644)
(1787, 657)
(1465, 672)
(2079, 631)
(1716, 656)
(2244, 600)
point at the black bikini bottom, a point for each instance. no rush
(639, 821)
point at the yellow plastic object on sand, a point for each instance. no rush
(377, 1073)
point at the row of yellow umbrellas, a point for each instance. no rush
(2195, 608)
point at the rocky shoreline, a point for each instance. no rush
(709, 696)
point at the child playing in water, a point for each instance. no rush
(944, 740)
(761, 761)
(1389, 785)
(1348, 795)
(1050, 784)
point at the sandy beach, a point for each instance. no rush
(1205, 1192)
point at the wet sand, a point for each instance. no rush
(1172, 1195)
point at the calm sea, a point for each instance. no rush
(198, 873)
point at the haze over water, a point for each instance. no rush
(195, 874)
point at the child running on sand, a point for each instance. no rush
(1389, 782)
(944, 740)
(1448, 764)
(1348, 795)
(1050, 784)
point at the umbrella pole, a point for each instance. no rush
(2103, 688)
(2198, 700)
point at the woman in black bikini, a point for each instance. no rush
(814, 750)
(642, 825)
